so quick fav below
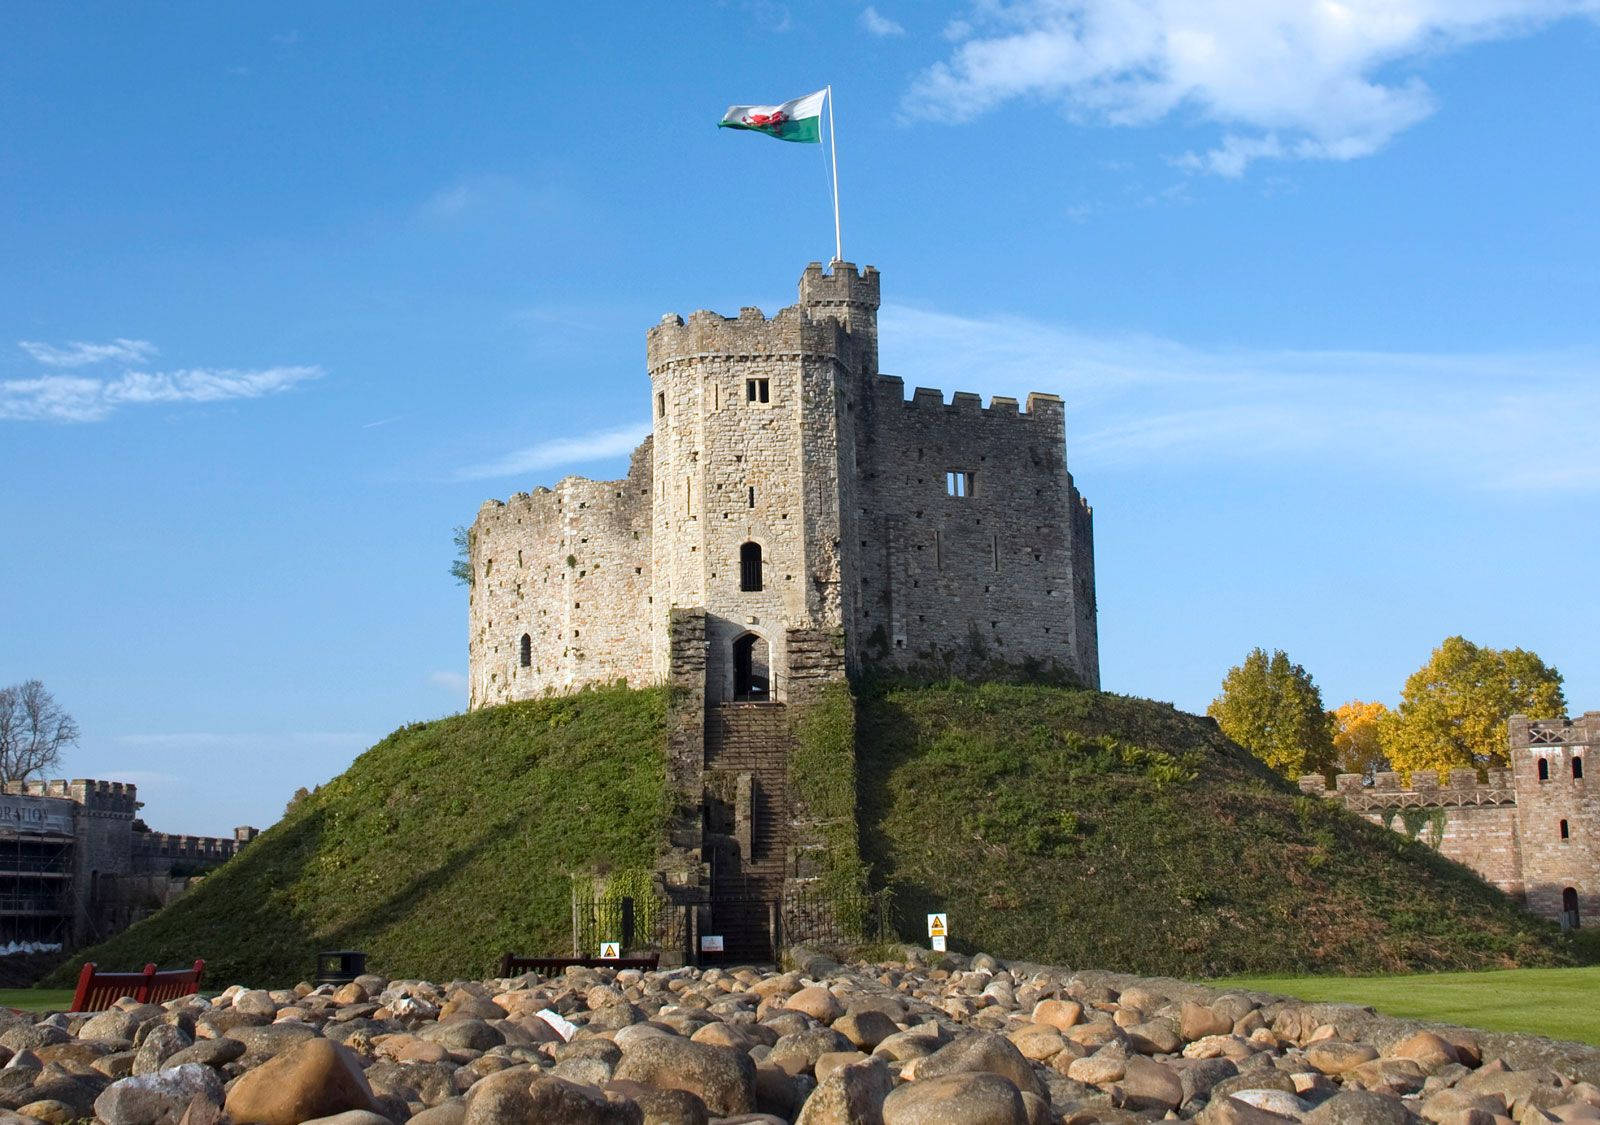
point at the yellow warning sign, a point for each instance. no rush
(938, 925)
(610, 950)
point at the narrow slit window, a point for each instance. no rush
(938, 553)
(994, 546)
(958, 482)
(1544, 769)
(752, 496)
(1566, 833)
(525, 651)
(750, 567)
(1577, 769)
(758, 390)
(661, 404)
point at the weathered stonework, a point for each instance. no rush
(893, 533)
(1531, 830)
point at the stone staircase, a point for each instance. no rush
(753, 739)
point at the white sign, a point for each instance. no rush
(938, 925)
(36, 814)
(710, 943)
(938, 944)
(610, 950)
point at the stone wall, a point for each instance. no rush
(972, 537)
(570, 570)
(1469, 820)
(1533, 833)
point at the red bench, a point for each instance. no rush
(512, 965)
(97, 991)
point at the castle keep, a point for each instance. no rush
(1532, 830)
(792, 519)
(822, 521)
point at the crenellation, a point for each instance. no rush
(1532, 829)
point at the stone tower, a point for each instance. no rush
(751, 456)
(820, 521)
(1558, 815)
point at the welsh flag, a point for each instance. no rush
(799, 120)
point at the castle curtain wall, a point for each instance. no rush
(972, 536)
(570, 568)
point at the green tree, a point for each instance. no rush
(1454, 708)
(461, 566)
(1272, 708)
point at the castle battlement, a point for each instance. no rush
(889, 390)
(106, 798)
(1462, 787)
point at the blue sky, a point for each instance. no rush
(285, 293)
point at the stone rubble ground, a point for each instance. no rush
(889, 1044)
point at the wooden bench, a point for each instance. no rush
(98, 991)
(512, 965)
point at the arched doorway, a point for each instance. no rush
(1569, 908)
(751, 671)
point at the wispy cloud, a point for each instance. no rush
(80, 354)
(878, 24)
(1136, 401)
(80, 398)
(224, 740)
(560, 452)
(454, 682)
(1325, 80)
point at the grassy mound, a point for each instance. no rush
(1096, 830)
(1052, 824)
(440, 848)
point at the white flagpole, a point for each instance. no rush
(833, 144)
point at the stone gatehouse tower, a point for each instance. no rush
(819, 519)
(1532, 830)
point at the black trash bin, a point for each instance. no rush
(340, 966)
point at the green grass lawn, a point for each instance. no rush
(1560, 1003)
(36, 999)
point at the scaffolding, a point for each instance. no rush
(36, 901)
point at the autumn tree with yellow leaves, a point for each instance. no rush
(1454, 708)
(1357, 738)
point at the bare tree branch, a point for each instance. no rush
(33, 729)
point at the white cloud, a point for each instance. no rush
(1139, 401)
(559, 452)
(1286, 79)
(79, 354)
(878, 24)
(80, 398)
(454, 682)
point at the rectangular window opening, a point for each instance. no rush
(661, 404)
(958, 482)
(752, 496)
(757, 390)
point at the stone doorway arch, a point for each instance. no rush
(752, 669)
(1569, 909)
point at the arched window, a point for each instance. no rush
(1569, 908)
(750, 566)
(1566, 833)
(1544, 769)
(525, 652)
(1577, 769)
